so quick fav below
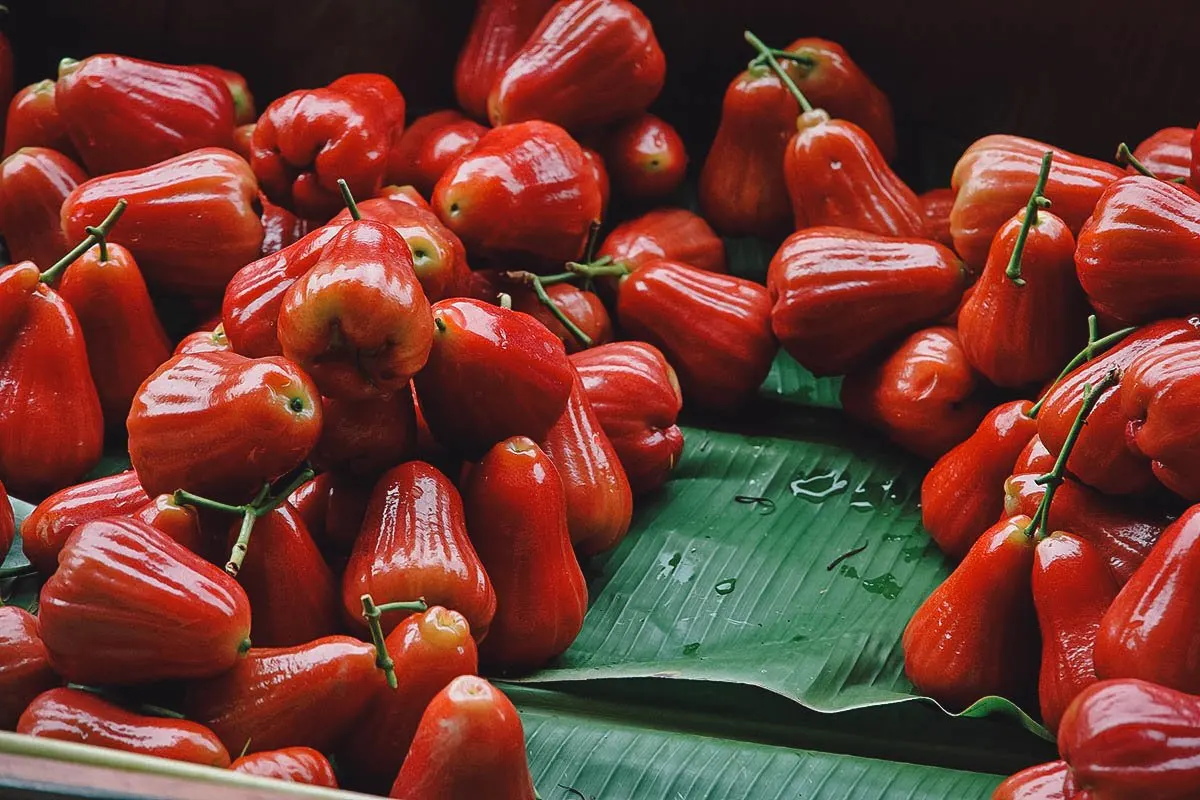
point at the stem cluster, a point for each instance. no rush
(263, 503)
(1037, 200)
(96, 235)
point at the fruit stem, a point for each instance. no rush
(535, 283)
(505, 300)
(349, 198)
(234, 565)
(417, 605)
(1126, 158)
(787, 55)
(263, 503)
(1054, 478)
(597, 269)
(766, 53)
(95, 235)
(1094, 347)
(593, 240)
(1036, 200)
(383, 660)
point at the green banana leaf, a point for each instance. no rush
(602, 754)
(788, 555)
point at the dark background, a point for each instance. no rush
(1085, 75)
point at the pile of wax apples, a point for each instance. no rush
(374, 462)
(1040, 276)
(462, 458)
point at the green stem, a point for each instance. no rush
(267, 504)
(539, 289)
(597, 270)
(349, 198)
(417, 606)
(1054, 478)
(593, 240)
(182, 497)
(1094, 347)
(1036, 200)
(1126, 158)
(765, 52)
(519, 276)
(440, 324)
(95, 235)
(786, 55)
(505, 300)
(371, 613)
(234, 565)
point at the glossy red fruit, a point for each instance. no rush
(413, 544)
(180, 522)
(358, 322)
(1167, 153)
(243, 101)
(636, 398)
(72, 715)
(714, 329)
(1137, 254)
(977, 634)
(211, 341)
(963, 494)
(243, 142)
(996, 175)
(306, 141)
(293, 593)
(1035, 458)
(674, 234)
(366, 436)
(250, 311)
(192, 220)
(24, 664)
(596, 161)
(1043, 782)
(841, 296)
(1019, 335)
(645, 157)
(582, 307)
(438, 256)
(380, 92)
(56, 518)
(430, 145)
(498, 31)
(525, 189)
(742, 190)
(599, 500)
(280, 227)
(220, 424)
(492, 373)
(1131, 739)
(469, 744)
(292, 764)
(123, 113)
(34, 182)
(1157, 398)
(430, 650)
(836, 175)
(1072, 588)
(125, 340)
(130, 605)
(51, 426)
(936, 205)
(33, 121)
(1102, 458)
(404, 194)
(517, 514)
(304, 696)
(924, 397)
(588, 63)
(1148, 632)
(1124, 535)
